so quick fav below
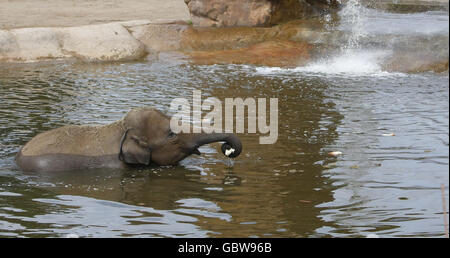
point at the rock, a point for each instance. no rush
(241, 37)
(418, 56)
(225, 13)
(160, 37)
(106, 42)
(416, 63)
(207, 38)
(229, 13)
(30, 44)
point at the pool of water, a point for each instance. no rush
(392, 130)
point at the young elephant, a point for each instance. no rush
(142, 137)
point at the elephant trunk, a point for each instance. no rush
(231, 148)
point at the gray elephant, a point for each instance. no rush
(142, 137)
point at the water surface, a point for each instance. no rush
(392, 129)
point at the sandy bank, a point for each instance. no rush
(64, 13)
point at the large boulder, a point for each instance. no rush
(229, 13)
(106, 42)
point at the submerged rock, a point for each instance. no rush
(428, 53)
(407, 6)
(310, 31)
(270, 53)
(228, 13)
(416, 63)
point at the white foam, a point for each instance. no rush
(72, 236)
(349, 63)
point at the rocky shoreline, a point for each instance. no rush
(288, 44)
(134, 40)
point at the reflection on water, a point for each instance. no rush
(383, 184)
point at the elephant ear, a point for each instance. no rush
(133, 150)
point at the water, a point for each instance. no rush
(392, 129)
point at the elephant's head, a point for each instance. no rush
(149, 139)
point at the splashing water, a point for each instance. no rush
(349, 62)
(370, 42)
(354, 18)
(352, 57)
(229, 163)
